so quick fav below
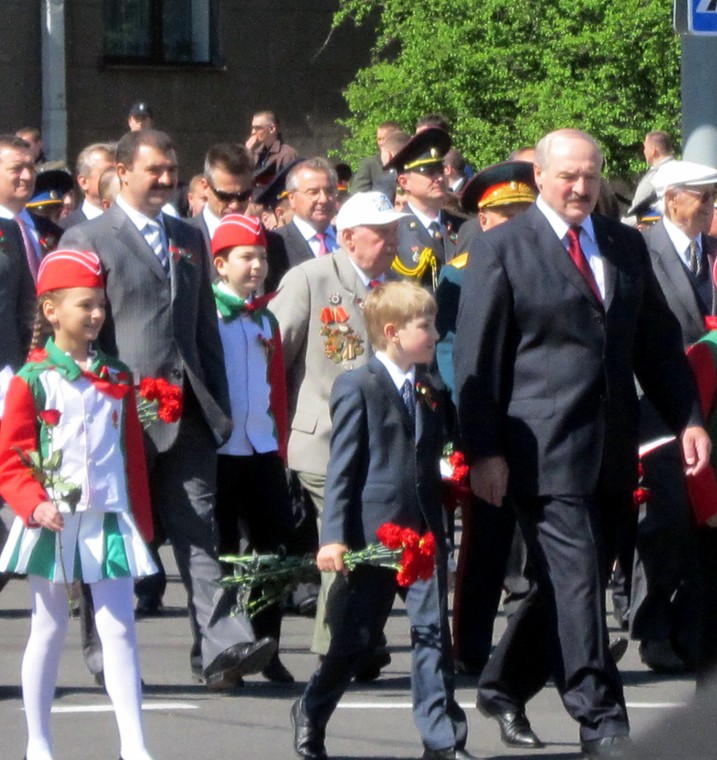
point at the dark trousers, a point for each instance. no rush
(560, 628)
(485, 547)
(367, 598)
(706, 541)
(665, 583)
(253, 503)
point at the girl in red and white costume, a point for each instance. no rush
(73, 399)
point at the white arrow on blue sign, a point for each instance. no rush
(703, 17)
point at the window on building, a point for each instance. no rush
(159, 31)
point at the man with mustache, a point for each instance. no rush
(161, 321)
(560, 310)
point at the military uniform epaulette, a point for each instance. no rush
(459, 261)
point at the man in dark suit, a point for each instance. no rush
(92, 162)
(560, 311)
(370, 175)
(665, 585)
(227, 185)
(161, 321)
(17, 182)
(426, 238)
(17, 297)
(311, 188)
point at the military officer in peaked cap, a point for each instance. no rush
(426, 237)
(498, 192)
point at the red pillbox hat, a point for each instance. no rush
(69, 269)
(236, 229)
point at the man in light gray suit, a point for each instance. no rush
(161, 321)
(319, 308)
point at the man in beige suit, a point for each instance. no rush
(319, 308)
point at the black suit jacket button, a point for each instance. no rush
(598, 318)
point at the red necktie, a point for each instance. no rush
(321, 237)
(373, 284)
(578, 256)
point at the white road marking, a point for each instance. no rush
(470, 705)
(149, 706)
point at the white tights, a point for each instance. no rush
(114, 618)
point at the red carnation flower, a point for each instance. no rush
(390, 535)
(51, 417)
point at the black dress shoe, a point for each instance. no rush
(148, 606)
(617, 648)
(515, 730)
(615, 747)
(276, 671)
(370, 668)
(449, 753)
(308, 739)
(660, 656)
(239, 660)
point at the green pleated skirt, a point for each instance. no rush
(92, 546)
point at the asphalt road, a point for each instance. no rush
(184, 722)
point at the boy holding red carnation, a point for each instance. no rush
(384, 468)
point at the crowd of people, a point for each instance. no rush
(332, 336)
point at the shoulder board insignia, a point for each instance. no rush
(459, 261)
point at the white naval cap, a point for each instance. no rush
(682, 174)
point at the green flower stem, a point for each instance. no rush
(277, 576)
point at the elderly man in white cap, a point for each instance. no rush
(665, 591)
(319, 308)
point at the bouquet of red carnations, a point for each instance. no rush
(277, 575)
(158, 399)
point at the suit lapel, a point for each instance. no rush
(608, 252)
(394, 397)
(545, 236)
(348, 277)
(183, 260)
(131, 238)
(709, 246)
(298, 243)
(669, 261)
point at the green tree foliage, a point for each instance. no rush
(506, 72)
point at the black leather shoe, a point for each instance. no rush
(617, 648)
(308, 740)
(237, 661)
(515, 730)
(449, 753)
(370, 669)
(615, 747)
(660, 656)
(148, 606)
(276, 671)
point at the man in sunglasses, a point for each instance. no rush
(227, 184)
(426, 238)
(665, 591)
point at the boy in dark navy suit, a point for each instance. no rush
(384, 467)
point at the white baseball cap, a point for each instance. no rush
(683, 174)
(366, 208)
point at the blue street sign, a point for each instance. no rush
(703, 16)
